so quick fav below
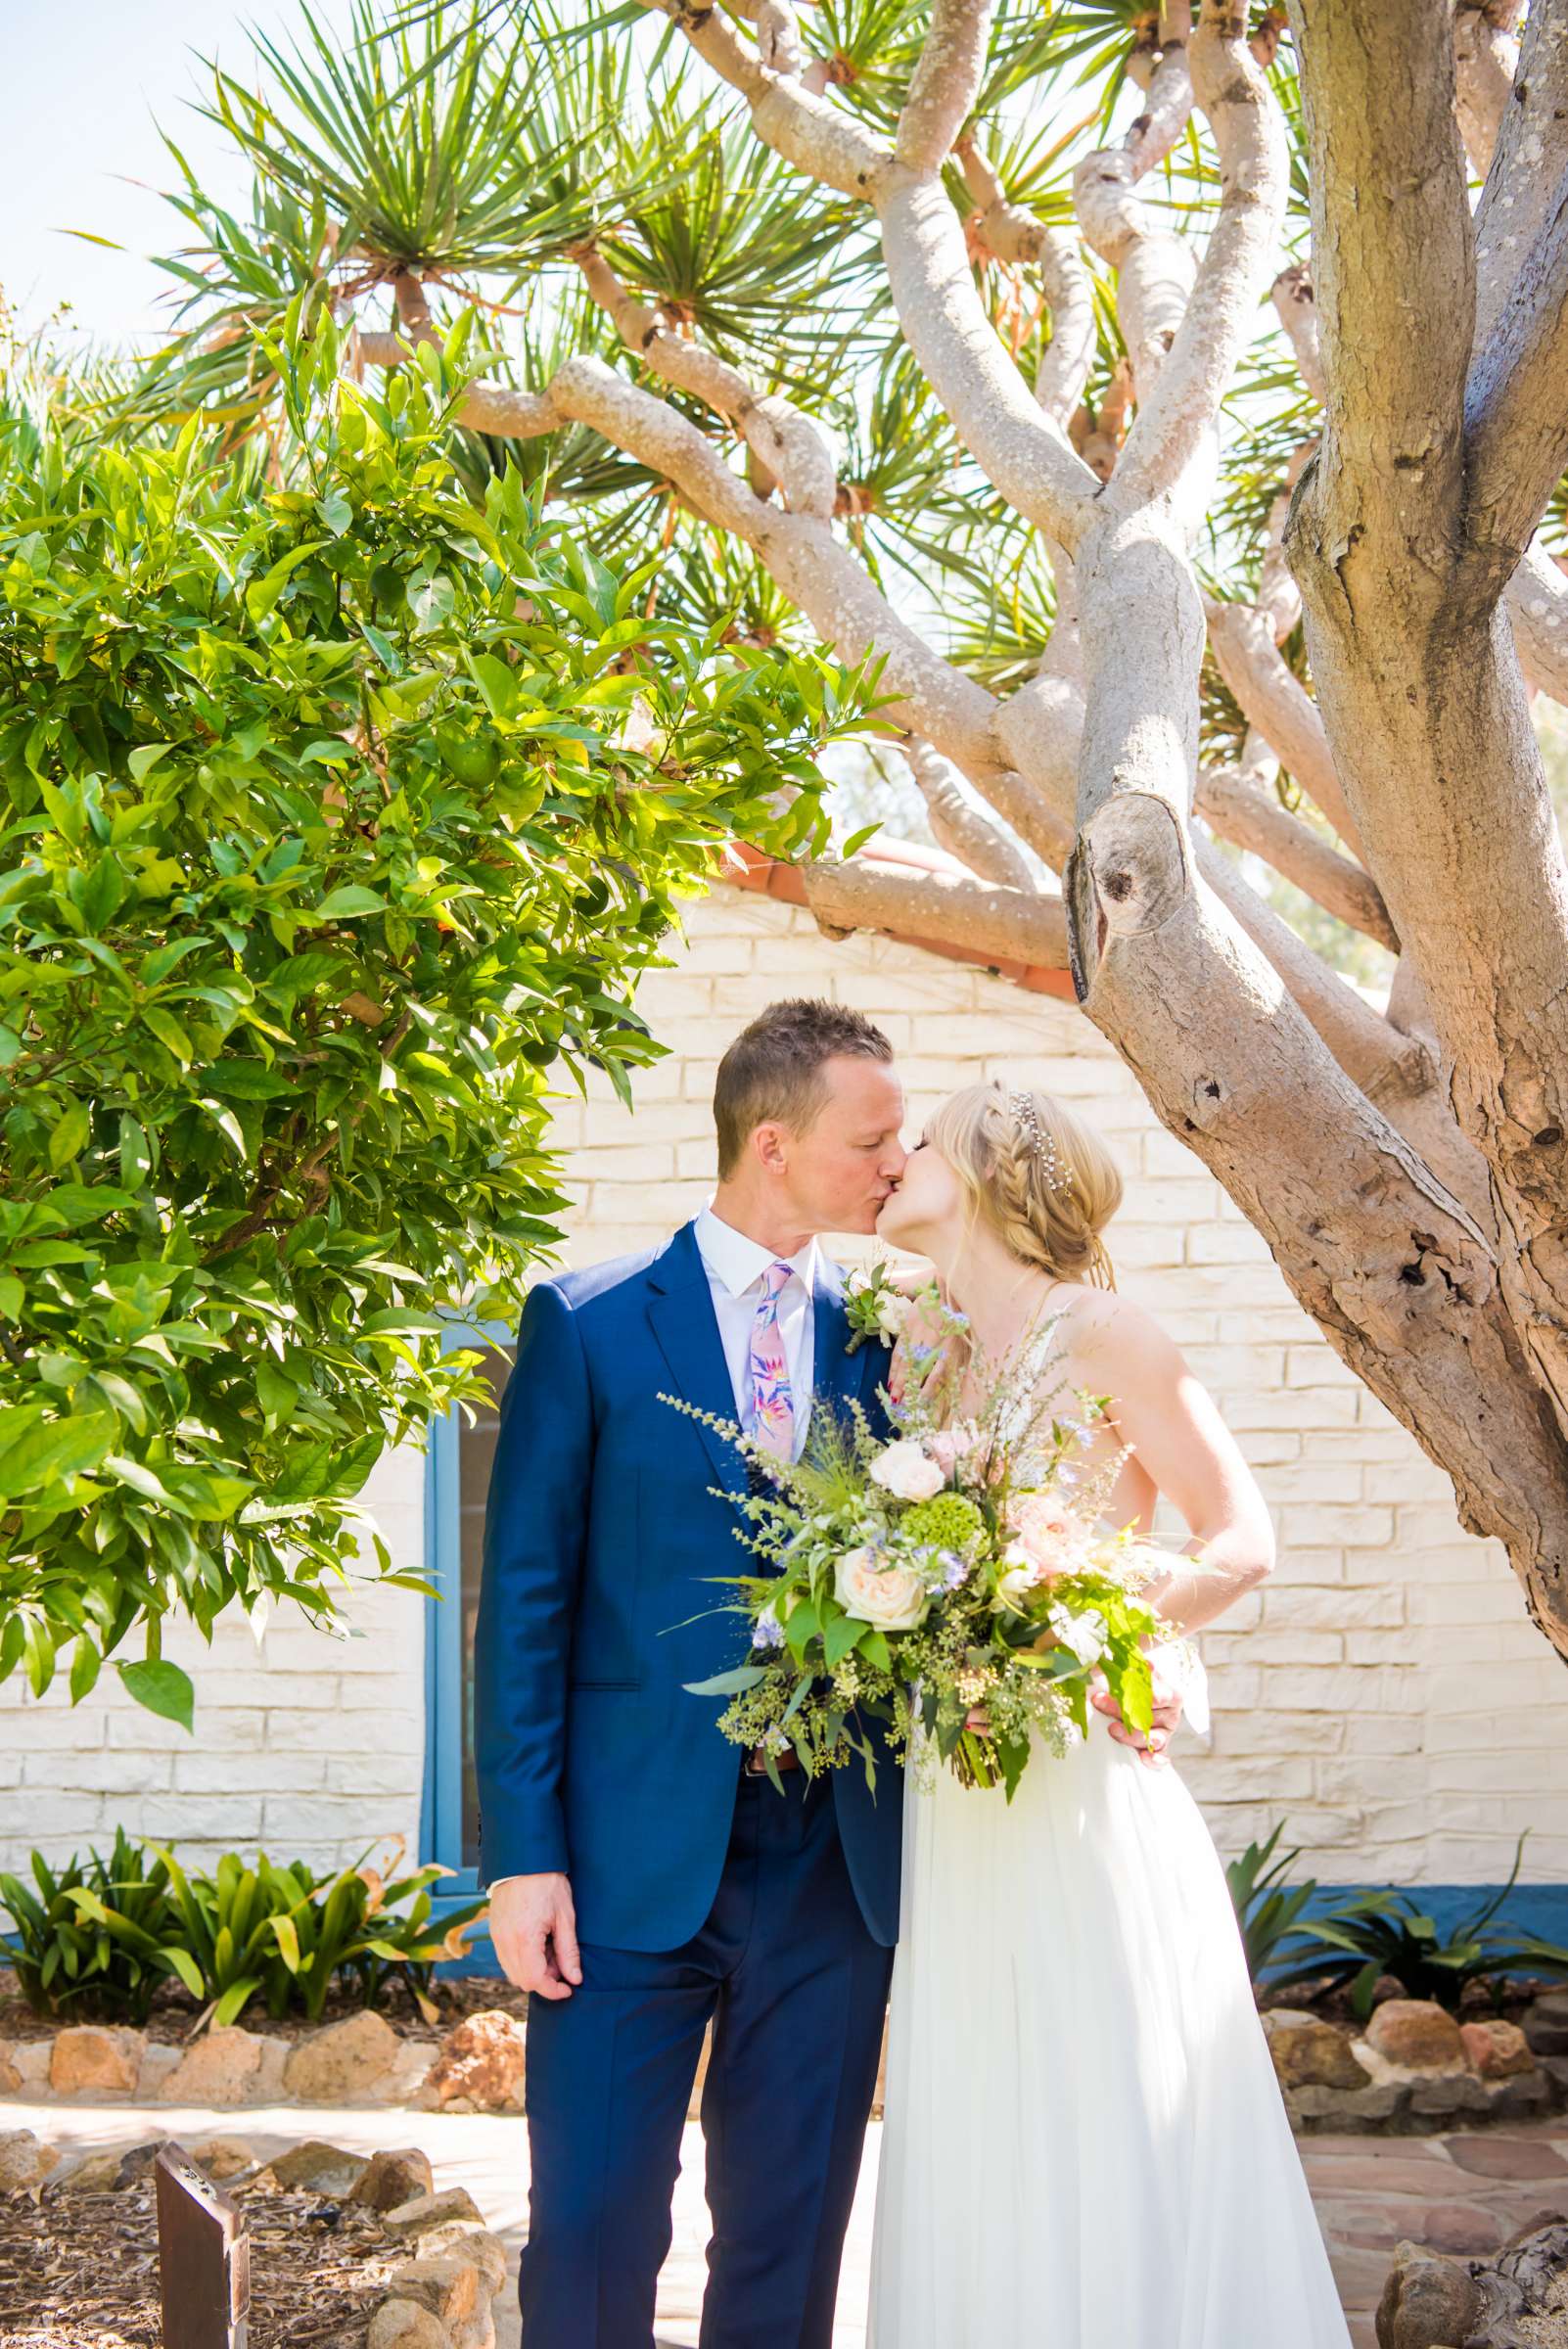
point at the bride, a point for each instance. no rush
(1084, 2145)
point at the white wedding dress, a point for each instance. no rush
(1084, 2146)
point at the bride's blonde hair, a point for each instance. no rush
(1002, 1157)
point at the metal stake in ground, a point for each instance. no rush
(204, 2258)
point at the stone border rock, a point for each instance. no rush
(1414, 2071)
(438, 2296)
(1417, 2069)
(477, 2067)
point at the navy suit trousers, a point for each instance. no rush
(796, 1988)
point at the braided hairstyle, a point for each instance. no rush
(1055, 1225)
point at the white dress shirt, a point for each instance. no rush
(735, 1266)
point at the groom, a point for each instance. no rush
(646, 1877)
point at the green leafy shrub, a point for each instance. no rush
(96, 1938)
(99, 1939)
(324, 834)
(290, 1935)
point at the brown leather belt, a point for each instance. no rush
(755, 1765)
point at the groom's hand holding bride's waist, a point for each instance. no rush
(535, 1928)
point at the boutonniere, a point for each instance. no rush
(874, 1306)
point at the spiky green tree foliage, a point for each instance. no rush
(996, 341)
(332, 815)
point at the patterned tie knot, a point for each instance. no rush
(776, 1276)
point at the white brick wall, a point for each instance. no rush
(1384, 1693)
(306, 1743)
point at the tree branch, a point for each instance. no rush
(1023, 457)
(1382, 1062)
(959, 826)
(1537, 596)
(1015, 235)
(1026, 461)
(785, 442)
(1255, 820)
(946, 83)
(1177, 420)
(1008, 925)
(1393, 278)
(1486, 56)
(1528, 162)
(1272, 698)
(1516, 403)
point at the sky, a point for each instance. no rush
(89, 83)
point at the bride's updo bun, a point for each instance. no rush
(1042, 1178)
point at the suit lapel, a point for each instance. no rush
(835, 1373)
(680, 1311)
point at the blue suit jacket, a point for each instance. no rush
(596, 1606)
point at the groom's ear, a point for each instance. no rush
(768, 1144)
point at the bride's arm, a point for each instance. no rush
(1174, 1427)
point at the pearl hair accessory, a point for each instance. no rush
(1055, 1175)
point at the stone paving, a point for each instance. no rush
(1460, 2192)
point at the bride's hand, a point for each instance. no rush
(978, 1720)
(1150, 1750)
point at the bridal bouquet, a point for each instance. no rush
(953, 1578)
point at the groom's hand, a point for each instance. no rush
(535, 1928)
(1167, 1715)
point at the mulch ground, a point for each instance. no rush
(80, 2271)
(175, 2010)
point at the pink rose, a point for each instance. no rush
(960, 1451)
(1054, 1538)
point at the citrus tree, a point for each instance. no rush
(337, 808)
(1173, 404)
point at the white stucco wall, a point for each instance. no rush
(307, 1744)
(1384, 1694)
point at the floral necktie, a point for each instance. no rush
(772, 1420)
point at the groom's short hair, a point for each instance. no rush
(774, 1070)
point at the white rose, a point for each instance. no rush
(893, 1311)
(893, 1597)
(903, 1470)
(1023, 1575)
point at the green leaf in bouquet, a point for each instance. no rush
(1133, 1686)
(1012, 1753)
(841, 1638)
(803, 1689)
(729, 1684)
(801, 1624)
(875, 1651)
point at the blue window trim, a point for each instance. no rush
(441, 1829)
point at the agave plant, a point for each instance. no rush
(1382, 1933)
(1269, 1909)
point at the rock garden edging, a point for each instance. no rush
(477, 2067)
